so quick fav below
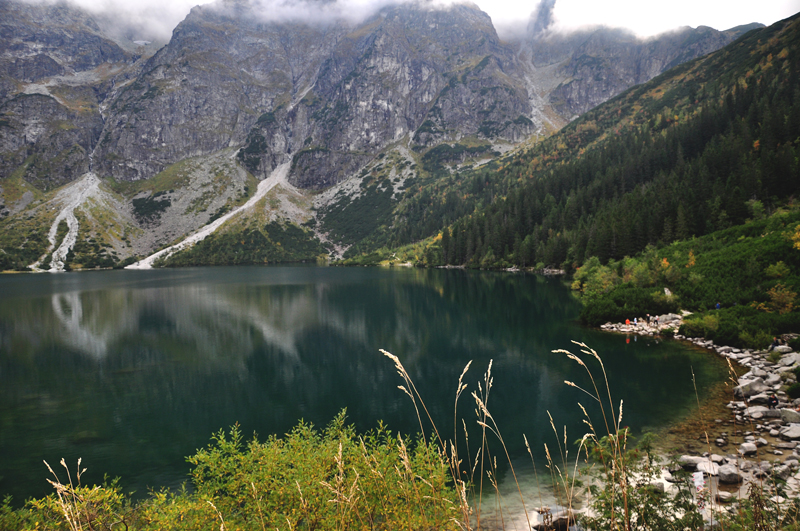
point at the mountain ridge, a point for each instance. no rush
(438, 85)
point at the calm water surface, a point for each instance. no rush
(134, 370)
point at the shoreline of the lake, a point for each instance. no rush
(764, 432)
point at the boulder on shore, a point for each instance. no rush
(750, 388)
(729, 474)
(707, 467)
(790, 416)
(690, 462)
(791, 432)
(748, 448)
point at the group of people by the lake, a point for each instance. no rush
(651, 321)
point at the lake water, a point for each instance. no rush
(134, 370)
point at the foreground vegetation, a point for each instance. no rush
(309, 479)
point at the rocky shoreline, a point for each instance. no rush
(757, 443)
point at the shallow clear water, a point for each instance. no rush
(134, 370)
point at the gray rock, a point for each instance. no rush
(790, 416)
(690, 462)
(759, 399)
(790, 359)
(708, 467)
(749, 448)
(749, 388)
(773, 379)
(791, 432)
(783, 349)
(729, 474)
(668, 318)
(761, 442)
(724, 497)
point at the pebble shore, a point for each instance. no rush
(761, 443)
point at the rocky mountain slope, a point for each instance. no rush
(435, 86)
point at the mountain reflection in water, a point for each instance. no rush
(134, 370)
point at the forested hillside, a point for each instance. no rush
(699, 149)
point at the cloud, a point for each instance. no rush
(140, 19)
(542, 17)
(155, 19)
(307, 11)
(319, 11)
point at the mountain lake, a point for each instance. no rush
(132, 371)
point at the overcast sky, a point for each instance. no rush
(643, 17)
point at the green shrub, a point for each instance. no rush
(794, 390)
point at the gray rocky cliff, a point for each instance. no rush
(48, 142)
(330, 95)
(55, 69)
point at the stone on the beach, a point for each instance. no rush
(716, 458)
(760, 399)
(750, 388)
(761, 442)
(724, 497)
(773, 379)
(668, 318)
(707, 467)
(720, 442)
(790, 416)
(791, 432)
(790, 359)
(689, 462)
(729, 474)
(748, 448)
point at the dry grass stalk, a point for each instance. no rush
(219, 514)
(71, 502)
(617, 438)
